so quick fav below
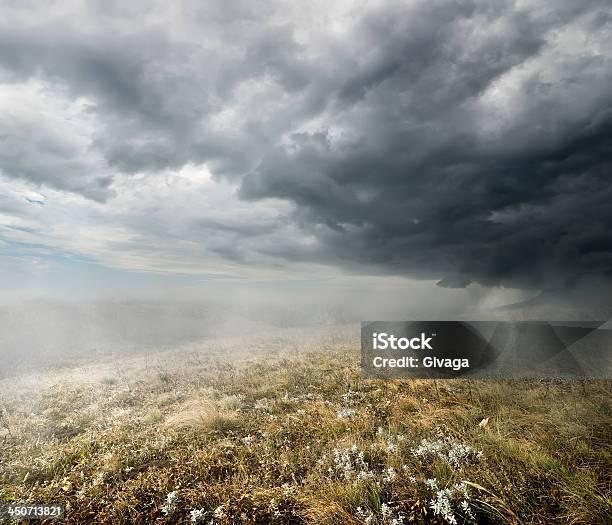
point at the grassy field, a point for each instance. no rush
(282, 429)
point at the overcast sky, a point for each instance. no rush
(453, 141)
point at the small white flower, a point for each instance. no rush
(248, 440)
(451, 502)
(447, 449)
(197, 515)
(346, 413)
(350, 398)
(390, 475)
(368, 517)
(350, 463)
(432, 483)
(170, 505)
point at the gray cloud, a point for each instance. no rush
(430, 184)
(464, 141)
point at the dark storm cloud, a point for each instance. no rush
(429, 184)
(461, 141)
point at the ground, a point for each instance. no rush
(282, 428)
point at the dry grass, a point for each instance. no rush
(297, 436)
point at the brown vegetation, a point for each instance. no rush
(297, 436)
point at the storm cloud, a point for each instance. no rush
(466, 141)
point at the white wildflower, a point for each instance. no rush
(442, 506)
(350, 398)
(197, 515)
(446, 448)
(432, 483)
(367, 516)
(451, 503)
(346, 413)
(390, 516)
(350, 463)
(170, 505)
(389, 475)
(248, 440)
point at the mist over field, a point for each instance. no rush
(38, 333)
(43, 332)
